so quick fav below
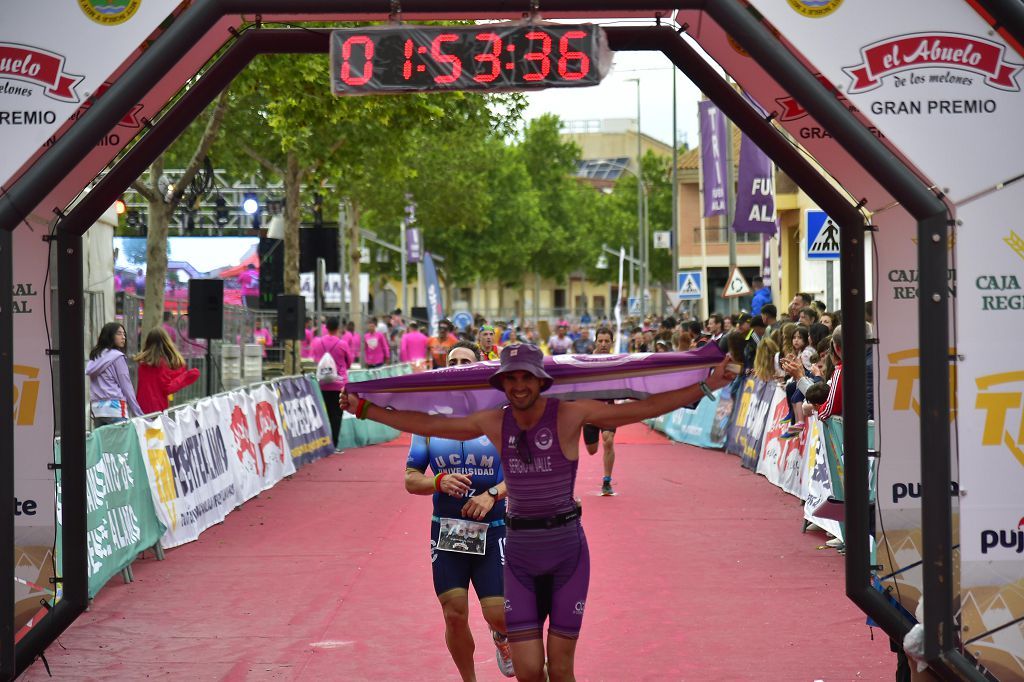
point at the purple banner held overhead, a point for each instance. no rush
(461, 390)
(755, 191)
(712, 158)
(413, 245)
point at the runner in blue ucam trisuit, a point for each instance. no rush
(467, 532)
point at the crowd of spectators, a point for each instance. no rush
(798, 348)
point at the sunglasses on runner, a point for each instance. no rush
(520, 444)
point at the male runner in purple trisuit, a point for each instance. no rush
(547, 564)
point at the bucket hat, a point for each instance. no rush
(524, 357)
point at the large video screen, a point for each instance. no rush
(232, 259)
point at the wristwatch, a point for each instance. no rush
(493, 492)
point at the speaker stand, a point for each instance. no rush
(209, 367)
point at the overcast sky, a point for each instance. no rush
(615, 97)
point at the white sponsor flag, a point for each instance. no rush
(190, 479)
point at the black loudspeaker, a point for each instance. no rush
(206, 308)
(318, 242)
(291, 317)
(419, 313)
(271, 252)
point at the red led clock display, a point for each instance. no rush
(484, 57)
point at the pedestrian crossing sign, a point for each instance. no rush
(690, 285)
(822, 236)
(737, 285)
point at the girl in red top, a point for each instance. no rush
(162, 371)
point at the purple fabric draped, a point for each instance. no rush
(755, 191)
(462, 390)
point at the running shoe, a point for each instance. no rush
(792, 431)
(503, 654)
(606, 487)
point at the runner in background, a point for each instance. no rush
(560, 343)
(485, 339)
(442, 343)
(591, 434)
(469, 495)
(583, 344)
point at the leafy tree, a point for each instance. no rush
(163, 201)
(622, 212)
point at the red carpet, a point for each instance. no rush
(700, 572)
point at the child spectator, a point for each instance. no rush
(162, 371)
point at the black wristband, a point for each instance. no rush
(708, 392)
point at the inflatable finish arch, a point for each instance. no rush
(878, 171)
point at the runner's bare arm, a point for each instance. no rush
(603, 415)
(420, 423)
(420, 483)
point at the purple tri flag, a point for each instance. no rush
(461, 390)
(712, 158)
(434, 308)
(413, 245)
(755, 191)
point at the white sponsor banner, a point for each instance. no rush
(190, 476)
(781, 460)
(990, 258)
(816, 481)
(769, 96)
(990, 388)
(332, 288)
(33, 394)
(52, 59)
(897, 400)
(934, 78)
(257, 451)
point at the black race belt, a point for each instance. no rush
(526, 523)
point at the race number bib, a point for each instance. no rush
(463, 536)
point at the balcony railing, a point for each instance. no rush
(720, 235)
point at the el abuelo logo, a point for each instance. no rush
(109, 12)
(815, 9)
(1011, 539)
(951, 51)
(999, 395)
(37, 67)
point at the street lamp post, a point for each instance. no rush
(372, 237)
(642, 220)
(602, 263)
(641, 207)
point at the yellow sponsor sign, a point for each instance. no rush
(905, 370)
(26, 394)
(998, 395)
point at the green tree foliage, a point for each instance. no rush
(622, 212)
(560, 240)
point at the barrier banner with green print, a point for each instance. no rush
(121, 518)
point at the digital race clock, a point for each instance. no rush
(506, 56)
